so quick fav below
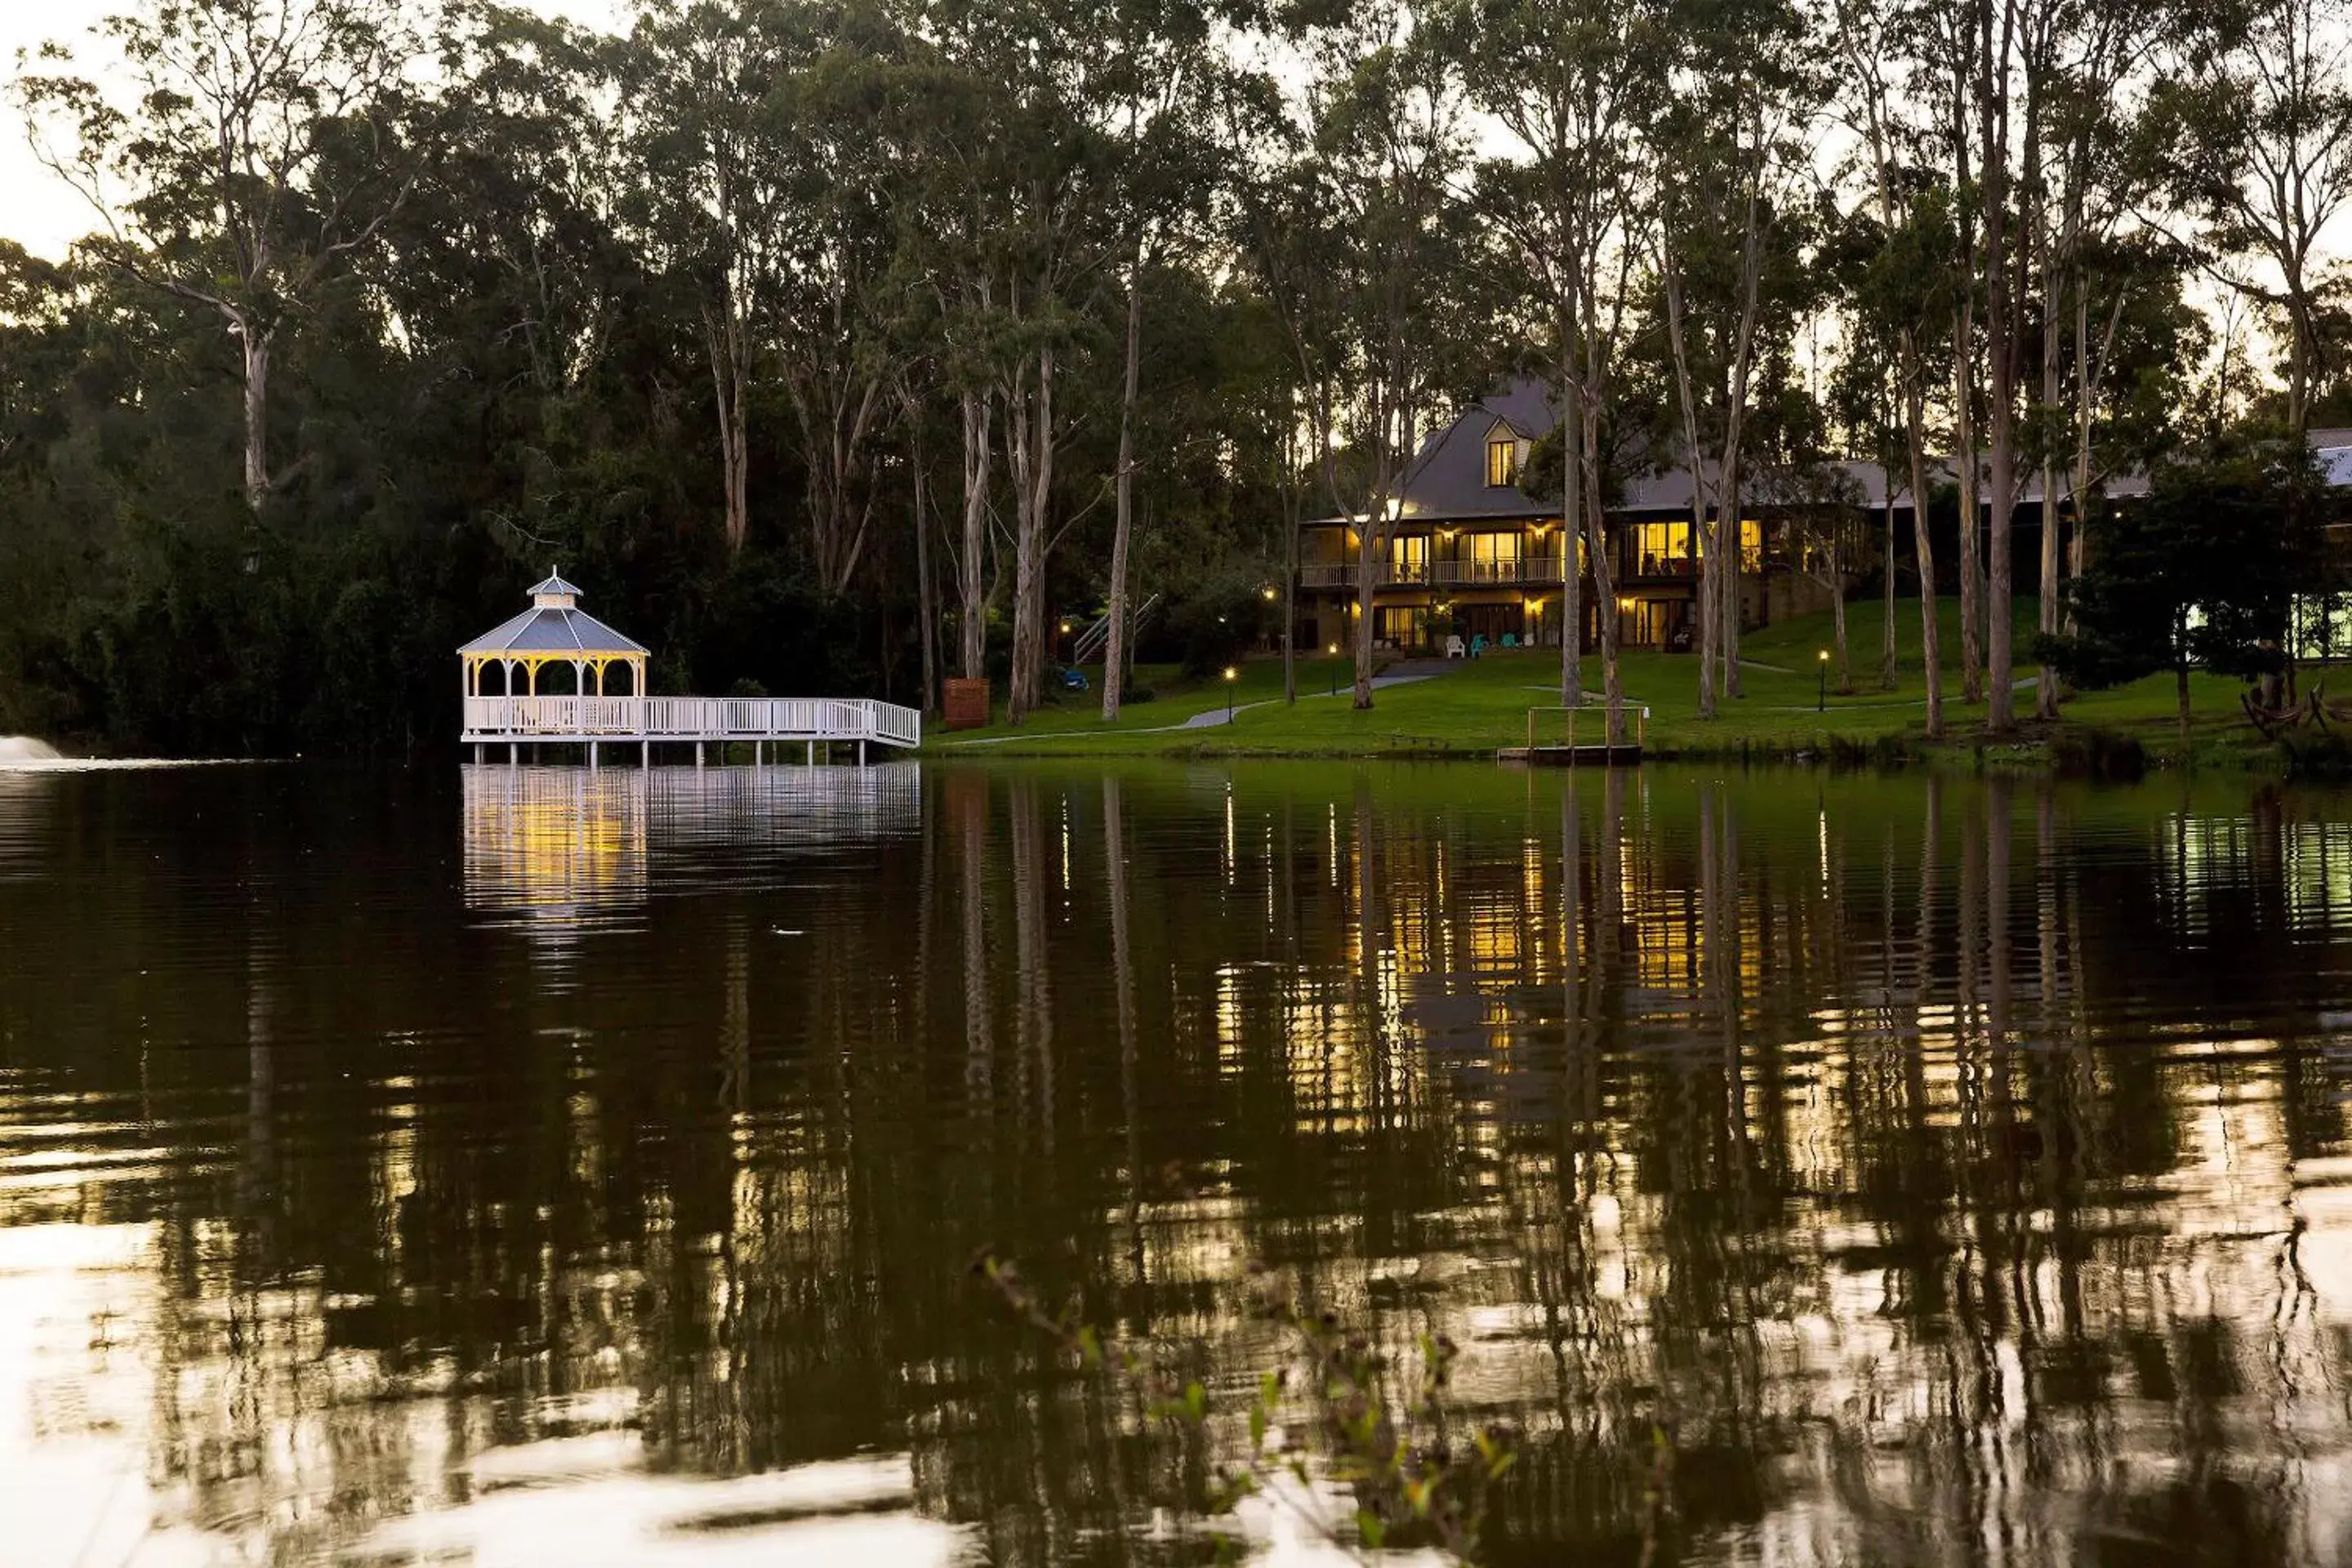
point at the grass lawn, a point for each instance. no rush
(1478, 708)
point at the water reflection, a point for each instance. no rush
(1956, 1170)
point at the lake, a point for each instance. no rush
(506, 1166)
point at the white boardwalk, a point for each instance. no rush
(557, 637)
(815, 718)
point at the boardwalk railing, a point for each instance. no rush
(691, 719)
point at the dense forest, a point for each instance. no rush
(848, 345)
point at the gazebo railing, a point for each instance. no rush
(691, 719)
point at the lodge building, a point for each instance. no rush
(1473, 555)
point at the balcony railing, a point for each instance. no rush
(1436, 573)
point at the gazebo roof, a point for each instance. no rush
(555, 625)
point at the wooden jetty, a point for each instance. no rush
(1565, 752)
(556, 637)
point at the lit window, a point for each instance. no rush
(1502, 461)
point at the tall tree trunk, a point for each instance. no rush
(1030, 423)
(731, 380)
(1964, 428)
(1571, 518)
(1368, 556)
(2000, 328)
(2181, 694)
(1734, 575)
(1914, 420)
(1123, 525)
(1886, 681)
(1837, 609)
(926, 605)
(1704, 542)
(2085, 394)
(1289, 578)
(257, 414)
(2045, 693)
(979, 448)
(1612, 683)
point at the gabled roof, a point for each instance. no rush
(1448, 477)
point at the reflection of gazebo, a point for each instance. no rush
(554, 631)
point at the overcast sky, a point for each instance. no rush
(38, 212)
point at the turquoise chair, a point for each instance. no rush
(1510, 639)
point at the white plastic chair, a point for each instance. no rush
(1454, 649)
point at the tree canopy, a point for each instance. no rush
(847, 345)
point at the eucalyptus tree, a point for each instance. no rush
(1573, 82)
(1162, 76)
(1994, 33)
(2258, 137)
(949, 279)
(2094, 174)
(1355, 223)
(1037, 172)
(1942, 46)
(832, 319)
(707, 190)
(1901, 283)
(262, 148)
(1730, 258)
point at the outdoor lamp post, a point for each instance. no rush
(1334, 651)
(1822, 697)
(1232, 674)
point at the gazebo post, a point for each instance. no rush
(592, 756)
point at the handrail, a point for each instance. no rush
(692, 719)
(1640, 723)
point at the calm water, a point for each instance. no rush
(536, 1167)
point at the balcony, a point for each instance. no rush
(1531, 568)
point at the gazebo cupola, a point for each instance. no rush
(554, 631)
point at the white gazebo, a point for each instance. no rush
(554, 631)
(556, 634)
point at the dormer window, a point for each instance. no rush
(1502, 460)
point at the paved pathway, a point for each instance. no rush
(1211, 720)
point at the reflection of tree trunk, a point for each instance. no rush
(260, 1185)
(1029, 921)
(980, 1051)
(735, 1027)
(1612, 861)
(1996, 1005)
(1122, 975)
(1370, 940)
